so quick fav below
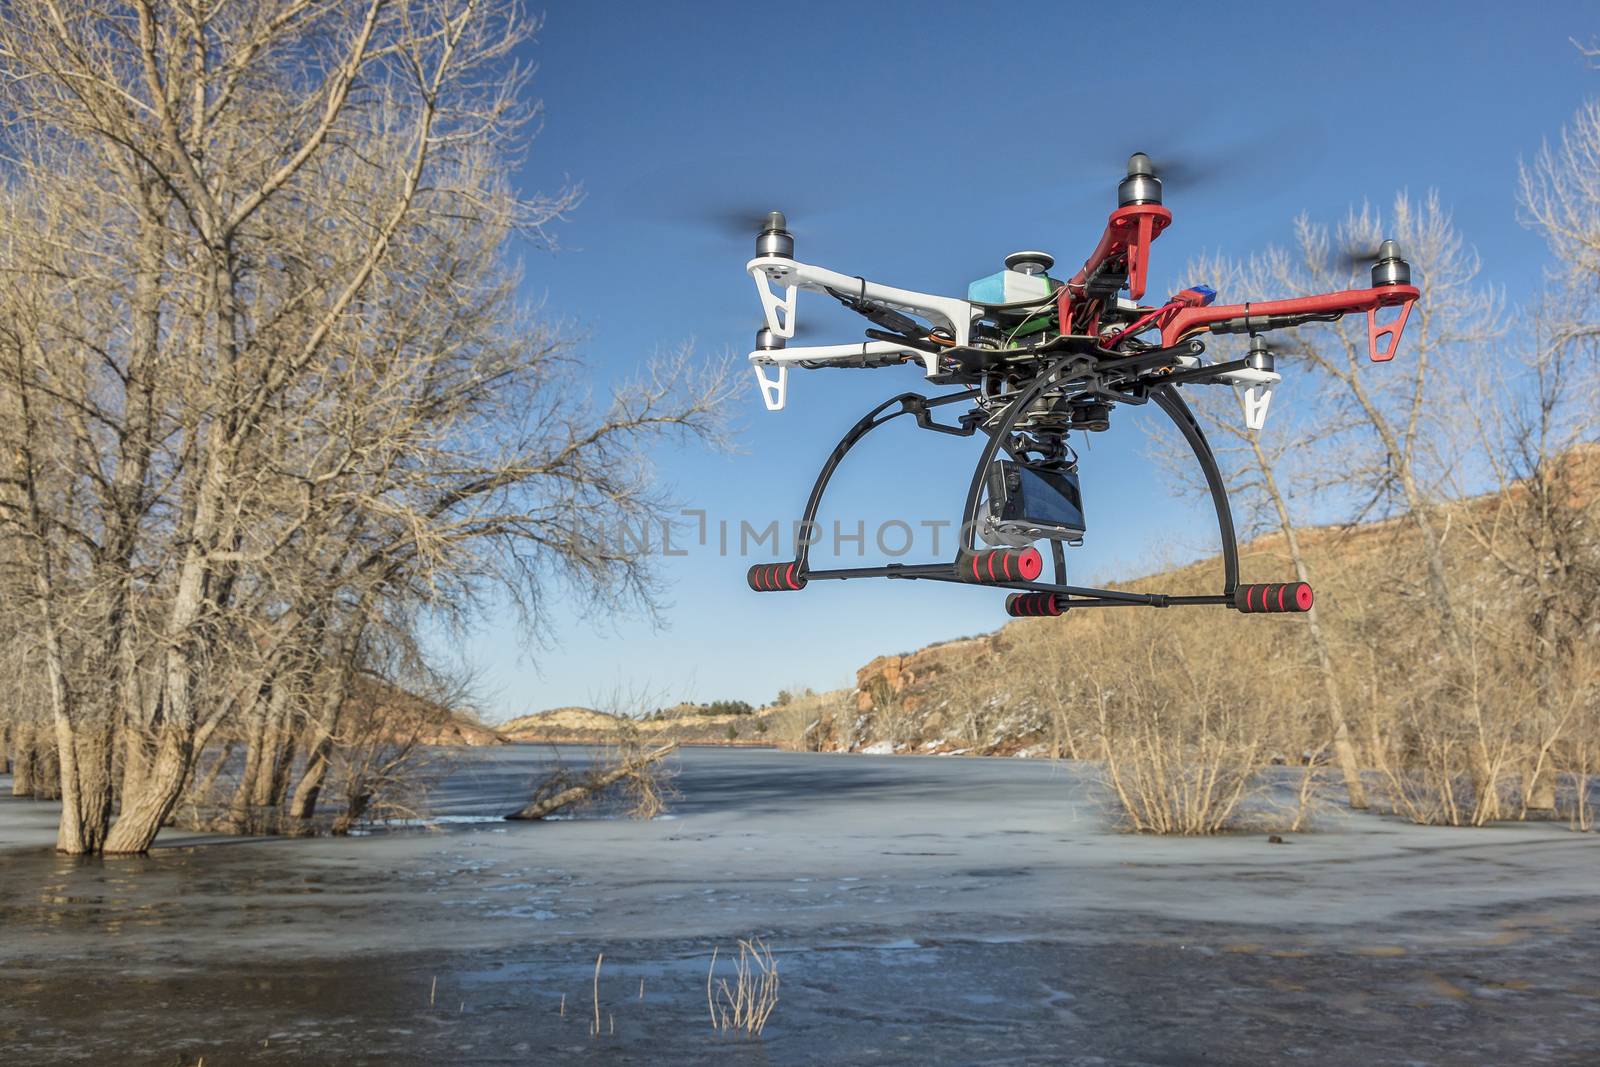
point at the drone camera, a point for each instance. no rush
(1027, 502)
(1390, 269)
(775, 238)
(1141, 186)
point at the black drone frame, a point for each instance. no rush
(1021, 570)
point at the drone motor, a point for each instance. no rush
(1141, 186)
(775, 238)
(1390, 269)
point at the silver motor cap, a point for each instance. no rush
(1141, 186)
(1390, 268)
(775, 238)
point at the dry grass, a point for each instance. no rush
(748, 1003)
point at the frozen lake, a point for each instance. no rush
(922, 910)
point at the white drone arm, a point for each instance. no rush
(858, 354)
(773, 271)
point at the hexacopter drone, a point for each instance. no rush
(1034, 360)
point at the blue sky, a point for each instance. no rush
(917, 144)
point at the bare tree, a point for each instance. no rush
(1558, 196)
(1382, 426)
(1380, 443)
(267, 386)
(1254, 462)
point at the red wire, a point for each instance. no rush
(1168, 309)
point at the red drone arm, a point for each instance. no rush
(1129, 232)
(1351, 300)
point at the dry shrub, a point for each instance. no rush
(1481, 732)
(1172, 785)
(1579, 755)
(749, 1002)
(796, 721)
(810, 722)
(647, 790)
(1177, 769)
(627, 772)
(384, 765)
(891, 717)
(1575, 803)
(1183, 728)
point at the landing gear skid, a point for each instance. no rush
(1020, 570)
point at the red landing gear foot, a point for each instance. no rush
(1273, 598)
(776, 577)
(1034, 605)
(996, 565)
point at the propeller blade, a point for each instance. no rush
(1356, 257)
(727, 197)
(734, 221)
(802, 330)
(1183, 165)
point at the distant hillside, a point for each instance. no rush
(433, 723)
(995, 693)
(559, 724)
(685, 723)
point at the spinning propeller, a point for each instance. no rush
(1388, 266)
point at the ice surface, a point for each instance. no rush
(949, 911)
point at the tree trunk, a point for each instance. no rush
(1343, 750)
(277, 750)
(203, 788)
(355, 808)
(22, 766)
(85, 777)
(240, 815)
(47, 770)
(591, 785)
(277, 783)
(270, 751)
(1539, 796)
(147, 802)
(309, 788)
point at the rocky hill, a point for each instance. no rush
(688, 724)
(417, 719)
